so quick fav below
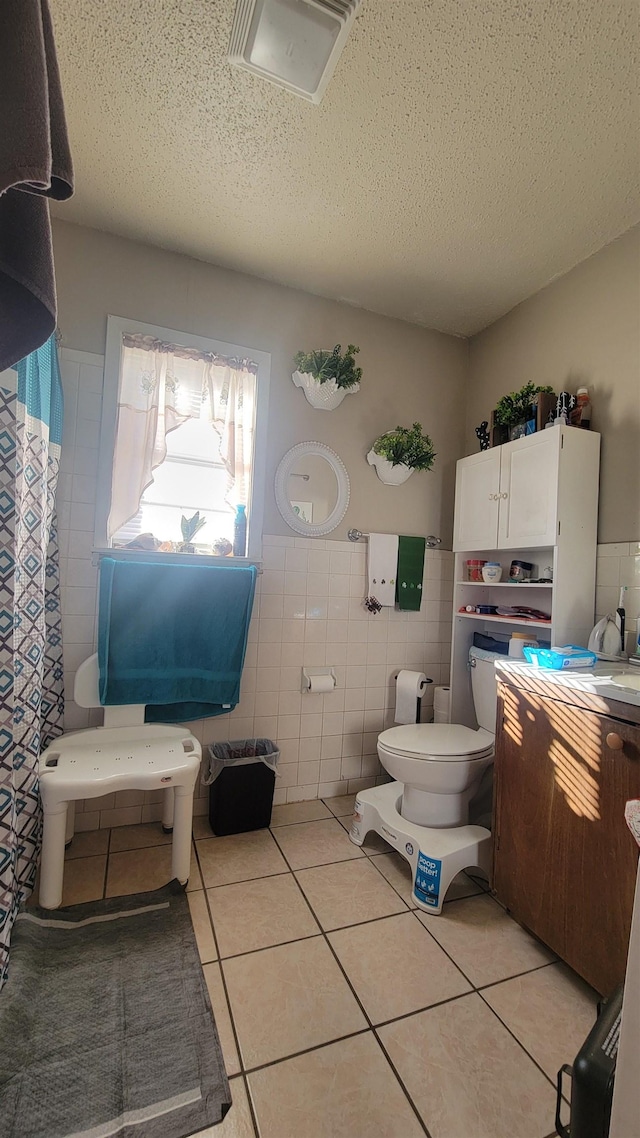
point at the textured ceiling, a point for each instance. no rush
(465, 154)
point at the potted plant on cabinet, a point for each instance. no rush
(396, 454)
(326, 377)
(518, 409)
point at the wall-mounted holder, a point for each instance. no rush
(319, 680)
(388, 473)
(323, 396)
(357, 535)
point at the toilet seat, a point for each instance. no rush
(437, 741)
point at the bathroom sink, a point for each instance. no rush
(627, 680)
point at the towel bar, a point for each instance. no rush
(171, 558)
(355, 535)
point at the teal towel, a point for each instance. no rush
(410, 573)
(173, 636)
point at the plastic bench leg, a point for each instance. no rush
(167, 810)
(52, 860)
(71, 823)
(182, 821)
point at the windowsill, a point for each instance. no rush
(172, 558)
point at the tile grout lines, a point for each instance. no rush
(475, 989)
(355, 996)
(254, 1120)
(373, 1028)
(276, 1062)
(483, 987)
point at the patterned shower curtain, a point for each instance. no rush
(31, 692)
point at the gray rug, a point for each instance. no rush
(106, 1026)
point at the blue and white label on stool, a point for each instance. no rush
(426, 886)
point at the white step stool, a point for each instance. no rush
(435, 856)
(125, 754)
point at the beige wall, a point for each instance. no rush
(582, 329)
(409, 372)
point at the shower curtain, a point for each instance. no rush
(31, 692)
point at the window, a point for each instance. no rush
(184, 430)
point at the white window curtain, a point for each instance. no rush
(161, 386)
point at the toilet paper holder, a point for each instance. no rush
(408, 707)
(310, 674)
(423, 687)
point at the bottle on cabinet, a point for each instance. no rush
(519, 641)
(581, 414)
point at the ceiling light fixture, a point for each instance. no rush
(293, 43)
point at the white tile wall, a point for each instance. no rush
(619, 564)
(308, 612)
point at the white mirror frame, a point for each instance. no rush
(307, 529)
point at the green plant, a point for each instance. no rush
(514, 408)
(331, 365)
(407, 447)
(191, 526)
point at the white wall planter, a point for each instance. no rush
(323, 396)
(388, 473)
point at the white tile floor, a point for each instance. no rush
(343, 1011)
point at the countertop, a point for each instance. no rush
(590, 687)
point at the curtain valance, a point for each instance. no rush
(149, 343)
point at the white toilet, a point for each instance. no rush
(441, 764)
(423, 814)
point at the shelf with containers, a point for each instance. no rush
(532, 500)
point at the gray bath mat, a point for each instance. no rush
(106, 1026)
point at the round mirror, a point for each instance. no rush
(312, 489)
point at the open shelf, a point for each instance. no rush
(520, 622)
(508, 584)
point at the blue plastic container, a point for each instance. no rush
(561, 659)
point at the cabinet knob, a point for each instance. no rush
(492, 497)
(503, 495)
(614, 741)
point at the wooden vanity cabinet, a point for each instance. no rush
(564, 860)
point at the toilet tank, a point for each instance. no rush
(484, 687)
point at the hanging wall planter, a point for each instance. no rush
(396, 454)
(323, 396)
(388, 473)
(326, 377)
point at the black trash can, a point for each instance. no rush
(242, 777)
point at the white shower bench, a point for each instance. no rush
(125, 754)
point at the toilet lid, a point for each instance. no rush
(437, 740)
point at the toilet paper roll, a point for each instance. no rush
(441, 705)
(321, 684)
(409, 689)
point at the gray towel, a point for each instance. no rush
(35, 164)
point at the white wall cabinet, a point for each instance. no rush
(536, 500)
(508, 496)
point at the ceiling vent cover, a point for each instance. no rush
(294, 43)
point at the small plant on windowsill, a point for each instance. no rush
(326, 377)
(396, 454)
(190, 527)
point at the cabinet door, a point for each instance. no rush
(476, 510)
(564, 860)
(529, 491)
